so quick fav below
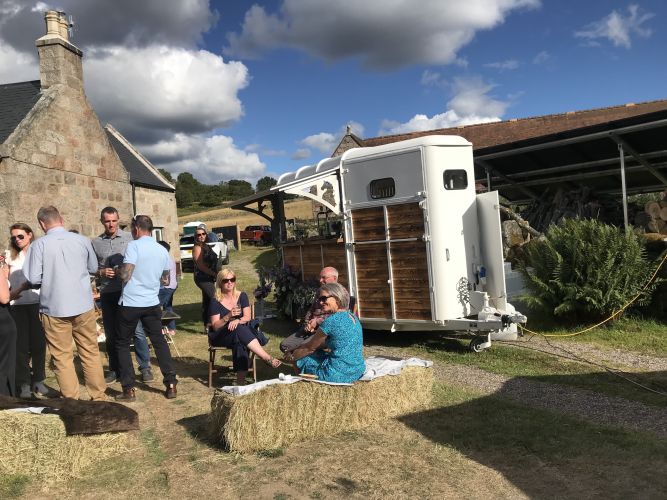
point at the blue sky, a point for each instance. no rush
(233, 89)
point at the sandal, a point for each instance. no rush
(272, 362)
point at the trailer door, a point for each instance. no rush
(491, 242)
(391, 265)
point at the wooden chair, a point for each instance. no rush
(212, 350)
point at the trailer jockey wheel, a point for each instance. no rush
(476, 344)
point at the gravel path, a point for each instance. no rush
(567, 400)
(613, 358)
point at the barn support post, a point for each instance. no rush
(623, 188)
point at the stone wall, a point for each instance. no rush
(60, 155)
(161, 207)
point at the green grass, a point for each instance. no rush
(526, 362)
(645, 336)
(13, 485)
(153, 447)
(523, 443)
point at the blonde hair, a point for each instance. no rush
(222, 274)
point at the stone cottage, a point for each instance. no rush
(55, 151)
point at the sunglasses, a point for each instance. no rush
(228, 280)
(323, 298)
(200, 234)
(18, 237)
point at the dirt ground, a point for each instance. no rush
(455, 449)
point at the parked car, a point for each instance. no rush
(186, 244)
(256, 235)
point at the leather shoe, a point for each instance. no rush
(170, 392)
(128, 395)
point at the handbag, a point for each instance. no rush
(256, 330)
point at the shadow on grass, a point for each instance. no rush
(544, 453)
(198, 427)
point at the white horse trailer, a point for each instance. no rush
(420, 250)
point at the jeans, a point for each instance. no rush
(141, 348)
(128, 318)
(110, 307)
(166, 297)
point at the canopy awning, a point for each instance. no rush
(589, 156)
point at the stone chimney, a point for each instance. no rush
(59, 60)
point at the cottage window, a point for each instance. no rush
(455, 179)
(383, 188)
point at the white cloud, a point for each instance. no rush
(431, 79)
(541, 57)
(164, 88)
(326, 142)
(430, 33)
(509, 64)
(618, 29)
(471, 104)
(301, 154)
(209, 159)
(17, 66)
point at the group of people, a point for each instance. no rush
(329, 344)
(46, 300)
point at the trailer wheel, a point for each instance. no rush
(476, 344)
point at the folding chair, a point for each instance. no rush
(212, 350)
(167, 316)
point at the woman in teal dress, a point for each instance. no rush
(340, 334)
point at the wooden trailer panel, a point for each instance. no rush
(407, 280)
(372, 281)
(309, 257)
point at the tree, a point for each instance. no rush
(188, 189)
(166, 175)
(239, 189)
(265, 183)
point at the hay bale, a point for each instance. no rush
(37, 446)
(285, 413)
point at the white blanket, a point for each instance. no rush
(376, 366)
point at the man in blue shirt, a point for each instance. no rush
(110, 249)
(145, 267)
(61, 262)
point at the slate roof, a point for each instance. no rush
(136, 166)
(487, 135)
(16, 100)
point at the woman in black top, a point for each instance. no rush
(7, 335)
(229, 314)
(205, 260)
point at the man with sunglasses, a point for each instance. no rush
(145, 267)
(314, 317)
(110, 250)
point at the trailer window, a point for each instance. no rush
(382, 188)
(455, 179)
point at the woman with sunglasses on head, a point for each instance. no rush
(229, 315)
(205, 261)
(343, 361)
(30, 342)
